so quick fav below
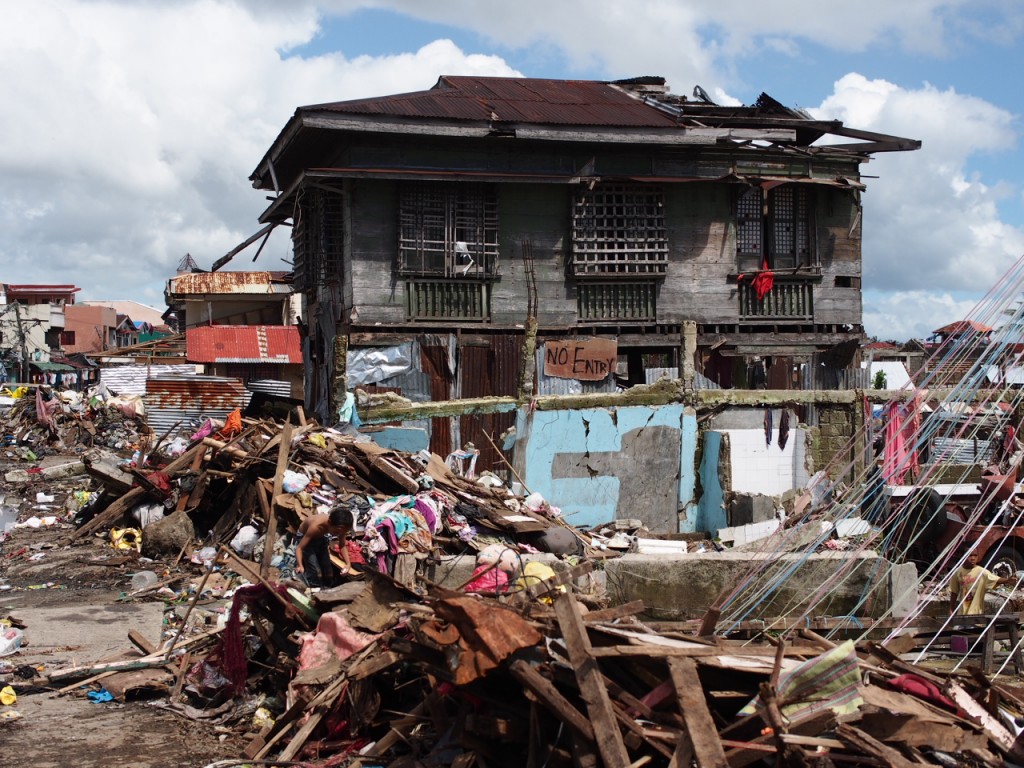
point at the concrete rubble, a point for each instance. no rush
(490, 632)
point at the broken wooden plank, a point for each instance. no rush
(700, 726)
(599, 705)
(549, 697)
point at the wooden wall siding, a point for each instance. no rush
(377, 295)
(538, 213)
(697, 285)
(839, 255)
(701, 255)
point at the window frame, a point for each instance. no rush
(768, 219)
(448, 230)
(619, 230)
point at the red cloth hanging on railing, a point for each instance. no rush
(763, 281)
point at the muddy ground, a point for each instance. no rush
(71, 599)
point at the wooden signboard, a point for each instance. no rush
(581, 359)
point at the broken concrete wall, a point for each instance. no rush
(599, 464)
(743, 467)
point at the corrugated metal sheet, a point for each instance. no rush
(949, 450)
(507, 99)
(131, 379)
(229, 282)
(270, 387)
(244, 344)
(191, 400)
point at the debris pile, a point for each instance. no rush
(43, 422)
(374, 673)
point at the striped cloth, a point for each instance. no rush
(827, 682)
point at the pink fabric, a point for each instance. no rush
(895, 459)
(487, 579)
(334, 638)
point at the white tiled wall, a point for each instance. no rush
(767, 469)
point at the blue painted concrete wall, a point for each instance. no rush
(605, 463)
(711, 514)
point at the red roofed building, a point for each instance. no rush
(252, 353)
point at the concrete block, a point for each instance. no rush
(751, 508)
(903, 588)
(744, 534)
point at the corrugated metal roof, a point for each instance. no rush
(510, 99)
(229, 282)
(191, 400)
(244, 344)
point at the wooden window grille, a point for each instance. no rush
(463, 300)
(318, 238)
(619, 229)
(448, 230)
(775, 227)
(617, 301)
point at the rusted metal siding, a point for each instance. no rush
(229, 282)
(191, 400)
(487, 371)
(434, 358)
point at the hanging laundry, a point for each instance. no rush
(763, 281)
(784, 428)
(768, 426)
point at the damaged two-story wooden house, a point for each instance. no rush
(514, 236)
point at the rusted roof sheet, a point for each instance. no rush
(244, 344)
(257, 282)
(511, 99)
(962, 326)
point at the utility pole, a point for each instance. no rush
(24, 343)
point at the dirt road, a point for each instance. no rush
(68, 599)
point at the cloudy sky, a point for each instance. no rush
(129, 129)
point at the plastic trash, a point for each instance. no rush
(8, 696)
(245, 541)
(143, 579)
(205, 556)
(10, 640)
(293, 482)
(101, 696)
(42, 498)
(148, 513)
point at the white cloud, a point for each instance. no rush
(131, 129)
(906, 315)
(927, 224)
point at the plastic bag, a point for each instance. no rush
(10, 640)
(293, 482)
(245, 541)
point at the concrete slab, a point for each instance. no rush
(685, 586)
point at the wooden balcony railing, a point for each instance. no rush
(787, 300)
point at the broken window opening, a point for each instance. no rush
(619, 229)
(448, 230)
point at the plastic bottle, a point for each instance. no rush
(143, 579)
